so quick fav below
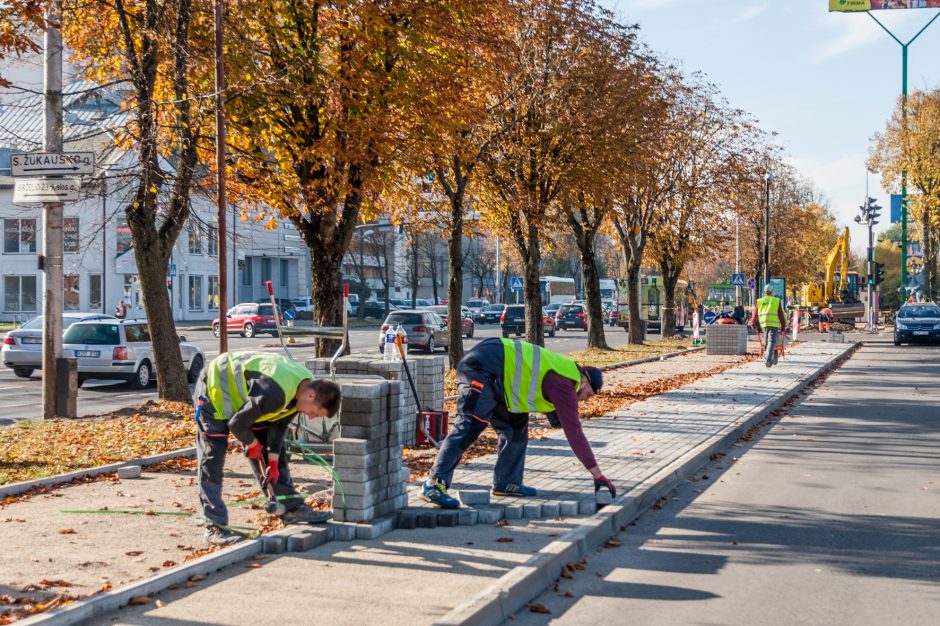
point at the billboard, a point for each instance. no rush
(878, 5)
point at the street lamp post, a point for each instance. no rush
(768, 178)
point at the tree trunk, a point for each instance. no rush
(168, 362)
(930, 257)
(455, 280)
(632, 247)
(432, 267)
(670, 275)
(327, 297)
(534, 322)
(415, 279)
(584, 233)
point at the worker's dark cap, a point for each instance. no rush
(594, 377)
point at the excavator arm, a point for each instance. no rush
(838, 258)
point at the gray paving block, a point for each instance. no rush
(341, 531)
(307, 539)
(362, 432)
(550, 510)
(428, 518)
(407, 520)
(129, 472)
(474, 497)
(354, 475)
(513, 511)
(448, 518)
(376, 528)
(361, 447)
(468, 517)
(587, 506)
(361, 461)
(532, 511)
(491, 514)
(350, 514)
(603, 498)
(274, 544)
(568, 508)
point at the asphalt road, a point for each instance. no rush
(22, 398)
(830, 518)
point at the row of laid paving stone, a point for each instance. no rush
(630, 444)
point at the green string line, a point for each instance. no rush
(250, 530)
(314, 458)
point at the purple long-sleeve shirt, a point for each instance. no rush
(561, 392)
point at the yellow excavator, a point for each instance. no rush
(839, 295)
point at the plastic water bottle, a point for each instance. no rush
(400, 332)
(390, 350)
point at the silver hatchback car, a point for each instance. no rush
(425, 329)
(22, 348)
(121, 349)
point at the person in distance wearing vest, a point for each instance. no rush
(499, 381)
(770, 319)
(254, 396)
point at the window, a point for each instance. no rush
(70, 235)
(93, 334)
(213, 293)
(137, 333)
(265, 269)
(245, 268)
(19, 294)
(195, 293)
(94, 292)
(213, 241)
(72, 294)
(195, 241)
(123, 235)
(19, 235)
(283, 272)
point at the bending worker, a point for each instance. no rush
(499, 381)
(825, 320)
(770, 319)
(254, 396)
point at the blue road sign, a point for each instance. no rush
(172, 270)
(289, 314)
(737, 280)
(895, 208)
(516, 283)
(751, 283)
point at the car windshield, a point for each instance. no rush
(93, 334)
(35, 323)
(570, 308)
(495, 307)
(515, 310)
(440, 310)
(404, 318)
(919, 311)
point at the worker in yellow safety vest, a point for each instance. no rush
(254, 396)
(499, 382)
(769, 318)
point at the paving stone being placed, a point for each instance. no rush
(474, 497)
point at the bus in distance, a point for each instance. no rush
(556, 290)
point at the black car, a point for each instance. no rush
(513, 321)
(571, 316)
(492, 313)
(917, 322)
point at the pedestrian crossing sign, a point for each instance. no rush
(737, 280)
(516, 283)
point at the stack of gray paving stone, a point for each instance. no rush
(723, 339)
(427, 372)
(367, 456)
(833, 337)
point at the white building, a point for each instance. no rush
(100, 265)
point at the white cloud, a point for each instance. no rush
(854, 33)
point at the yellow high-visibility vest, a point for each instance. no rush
(767, 312)
(524, 367)
(228, 388)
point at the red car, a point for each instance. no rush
(466, 320)
(248, 319)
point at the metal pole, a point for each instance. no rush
(871, 272)
(767, 178)
(220, 166)
(737, 258)
(52, 248)
(104, 246)
(499, 284)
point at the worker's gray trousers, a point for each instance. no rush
(211, 449)
(771, 339)
(480, 404)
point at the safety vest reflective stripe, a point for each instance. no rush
(227, 385)
(767, 312)
(525, 376)
(524, 368)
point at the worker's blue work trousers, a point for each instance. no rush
(480, 404)
(771, 338)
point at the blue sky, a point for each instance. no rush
(824, 81)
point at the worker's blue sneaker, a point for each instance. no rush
(519, 491)
(435, 492)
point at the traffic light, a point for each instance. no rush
(879, 272)
(872, 210)
(169, 283)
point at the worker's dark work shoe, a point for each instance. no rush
(776, 356)
(306, 515)
(515, 490)
(435, 492)
(218, 536)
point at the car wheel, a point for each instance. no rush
(429, 346)
(896, 342)
(551, 333)
(470, 333)
(141, 379)
(22, 372)
(215, 330)
(194, 368)
(505, 333)
(249, 330)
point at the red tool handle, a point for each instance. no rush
(345, 290)
(270, 287)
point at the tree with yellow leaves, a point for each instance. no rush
(21, 23)
(155, 48)
(910, 143)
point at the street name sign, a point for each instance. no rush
(46, 190)
(737, 280)
(52, 163)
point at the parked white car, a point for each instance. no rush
(22, 348)
(121, 350)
